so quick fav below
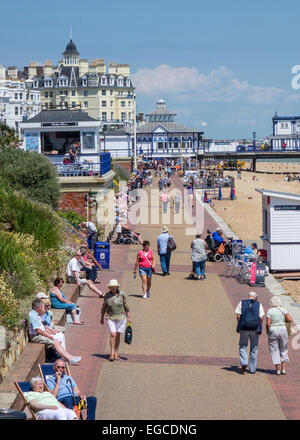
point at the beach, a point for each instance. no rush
(244, 215)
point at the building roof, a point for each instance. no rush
(61, 116)
(71, 49)
(172, 127)
(267, 192)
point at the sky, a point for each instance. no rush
(224, 67)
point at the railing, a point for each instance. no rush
(84, 165)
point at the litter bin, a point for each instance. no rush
(6, 413)
(102, 253)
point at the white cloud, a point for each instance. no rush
(187, 84)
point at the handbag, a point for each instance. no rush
(128, 334)
(288, 324)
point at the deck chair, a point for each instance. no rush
(24, 387)
(47, 370)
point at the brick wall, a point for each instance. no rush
(126, 165)
(73, 201)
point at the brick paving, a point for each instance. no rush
(90, 340)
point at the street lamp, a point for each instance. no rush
(134, 133)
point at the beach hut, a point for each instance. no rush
(281, 229)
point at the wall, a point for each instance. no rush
(17, 341)
(73, 201)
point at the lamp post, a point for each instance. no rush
(134, 133)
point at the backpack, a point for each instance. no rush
(171, 245)
(249, 320)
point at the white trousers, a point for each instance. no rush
(60, 337)
(278, 344)
(57, 414)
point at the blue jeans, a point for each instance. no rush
(165, 207)
(245, 335)
(165, 261)
(199, 268)
(91, 405)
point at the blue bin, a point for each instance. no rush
(102, 253)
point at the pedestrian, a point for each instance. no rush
(116, 311)
(250, 315)
(164, 251)
(190, 192)
(277, 316)
(199, 257)
(146, 263)
(91, 232)
(165, 198)
(177, 202)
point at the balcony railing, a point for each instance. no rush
(84, 165)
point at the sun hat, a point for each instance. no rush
(275, 301)
(46, 301)
(164, 229)
(41, 295)
(252, 294)
(113, 283)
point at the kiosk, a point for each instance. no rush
(281, 229)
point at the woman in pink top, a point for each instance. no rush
(146, 264)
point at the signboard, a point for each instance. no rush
(32, 142)
(287, 207)
(59, 124)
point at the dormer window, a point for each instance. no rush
(84, 82)
(111, 81)
(120, 81)
(103, 80)
(128, 82)
(48, 83)
(63, 81)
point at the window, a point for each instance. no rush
(36, 84)
(103, 80)
(46, 94)
(51, 105)
(51, 94)
(88, 139)
(122, 103)
(73, 93)
(46, 105)
(128, 82)
(111, 103)
(120, 82)
(66, 105)
(129, 115)
(31, 97)
(123, 116)
(103, 103)
(48, 83)
(111, 81)
(129, 103)
(103, 92)
(104, 116)
(73, 104)
(84, 82)
(111, 116)
(160, 145)
(16, 111)
(85, 104)
(111, 92)
(63, 82)
(175, 145)
(21, 95)
(85, 93)
(16, 96)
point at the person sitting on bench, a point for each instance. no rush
(73, 272)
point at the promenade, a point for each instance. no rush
(183, 362)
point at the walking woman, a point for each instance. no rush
(116, 309)
(146, 263)
(199, 248)
(277, 316)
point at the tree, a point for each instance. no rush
(8, 136)
(31, 173)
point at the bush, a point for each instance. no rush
(9, 305)
(31, 173)
(121, 173)
(72, 217)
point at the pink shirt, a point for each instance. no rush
(143, 261)
(165, 197)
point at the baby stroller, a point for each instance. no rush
(126, 237)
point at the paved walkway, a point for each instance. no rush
(183, 362)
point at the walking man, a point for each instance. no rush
(163, 250)
(250, 315)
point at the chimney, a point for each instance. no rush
(140, 117)
(48, 70)
(2, 72)
(113, 67)
(83, 67)
(31, 70)
(12, 72)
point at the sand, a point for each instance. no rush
(244, 215)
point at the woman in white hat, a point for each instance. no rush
(277, 334)
(117, 312)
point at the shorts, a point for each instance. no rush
(116, 326)
(146, 271)
(72, 280)
(39, 339)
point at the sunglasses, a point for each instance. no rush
(60, 368)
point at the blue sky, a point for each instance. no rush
(223, 66)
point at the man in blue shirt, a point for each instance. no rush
(61, 385)
(249, 250)
(217, 236)
(163, 252)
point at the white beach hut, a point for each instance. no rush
(281, 229)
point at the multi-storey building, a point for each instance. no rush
(17, 99)
(105, 94)
(286, 133)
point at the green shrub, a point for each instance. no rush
(72, 217)
(121, 173)
(32, 173)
